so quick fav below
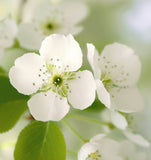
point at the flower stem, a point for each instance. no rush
(77, 116)
(74, 131)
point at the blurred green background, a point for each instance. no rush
(109, 21)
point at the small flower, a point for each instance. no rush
(127, 123)
(99, 148)
(117, 71)
(48, 18)
(8, 31)
(128, 151)
(51, 75)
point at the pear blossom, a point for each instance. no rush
(52, 80)
(127, 123)
(100, 148)
(47, 18)
(117, 71)
(128, 151)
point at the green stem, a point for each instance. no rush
(77, 116)
(74, 131)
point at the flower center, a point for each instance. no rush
(49, 26)
(57, 81)
(108, 83)
(94, 156)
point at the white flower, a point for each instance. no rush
(8, 31)
(117, 71)
(45, 18)
(128, 151)
(52, 75)
(100, 148)
(127, 123)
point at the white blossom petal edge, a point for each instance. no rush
(52, 78)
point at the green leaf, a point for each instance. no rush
(40, 141)
(10, 112)
(8, 92)
(97, 106)
(12, 105)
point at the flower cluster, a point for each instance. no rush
(48, 69)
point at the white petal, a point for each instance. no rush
(106, 115)
(85, 150)
(103, 94)
(109, 149)
(67, 29)
(136, 138)
(24, 76)
(8, 30)
(118, 120)
(29, 36)
(29, 9)
(94, 58)
(126, 99)
(65, 49)
(97, 139)
(48, 106)
(82, 89)
(121, 64)
(69, 10)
